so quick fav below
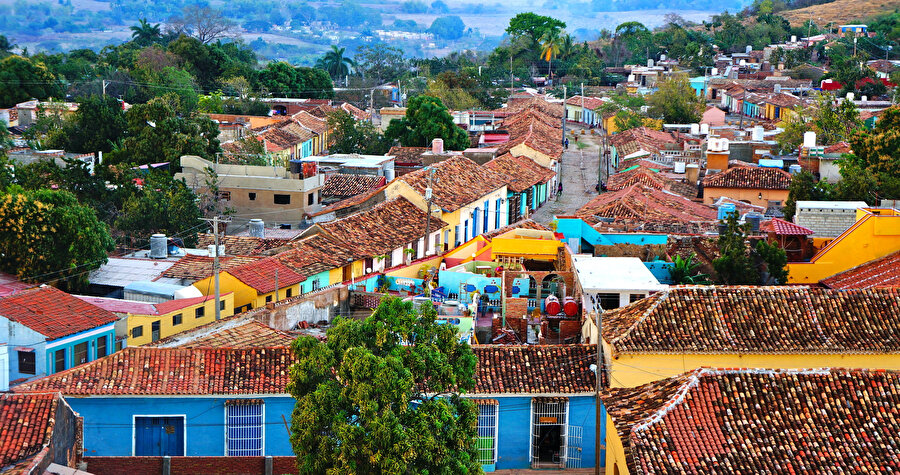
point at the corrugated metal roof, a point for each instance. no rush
(118, 272)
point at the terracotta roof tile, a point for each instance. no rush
(348, 202)
(407, 155)
(643, 138)
(456, 182)
(260, 275)
(200, 267)
(241, 245)
(521, 173)
(539, 103)
(757, 178)
(710, 319)
(27, 422)
(529, 369)
(786, 228)
(534, 133)
(838, 148)
(761, 421)
(589, 102)
(387, 226)
(356, 112)
(883, 272)
(641, 203)
(238, 331)
(311, 122)
(52, 312)
(174, 371)
(342, 185)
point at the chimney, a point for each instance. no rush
(437, 146)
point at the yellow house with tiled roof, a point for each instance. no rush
(687, 327)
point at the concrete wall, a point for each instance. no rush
(109, 422)
(311, 308)
(825, 222)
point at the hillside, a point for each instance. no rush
(840, 11)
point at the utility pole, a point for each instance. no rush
(429, 195)
(582, 103)
(598, 419)
(276, 285)
(216, 264)
(511, 82)
(565, 113)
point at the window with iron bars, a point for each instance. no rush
(486, 446)
(244, 429)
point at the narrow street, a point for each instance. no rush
(579, 172)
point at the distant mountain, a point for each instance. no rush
(841, 12)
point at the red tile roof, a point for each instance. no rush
(342, 185)
(456, 182)
(260, 275)
(761, 421)
(521, 172)
(538, 103)
(27, 422)
(380, 230)
(641, 203)
(407, 155)
(839, 148)
(727, 319)
(786, 228)
(318, 253)
(643, 138)
(241, 245)
(530, 369)
(311, 122)
(52, 312)
(756, 178)
(174, 371)
(535, 134)
(356, 112)
(196, 268)
(883, 272)
(143, 308)
(10, 284)
(238, 331)
(588, 102)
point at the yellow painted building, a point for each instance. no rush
(875, 234)
(253, 284)
(148, 322)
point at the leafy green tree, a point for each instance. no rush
(805, 187)
(283, 80)
(336, 63)
(532, 26)
(98, 123)
(162, 205)
(351, 136)
(447, 27)
(794, 126)
(380, 62)
(687, 272)
(381, 395)
(774, 263)
(6, 46)
(426, 119)
(155, 133)
(857, 184)
(675, 101)
(144, 33)
(23, 79)
(836, 123)
(48, 236)
(734, 265)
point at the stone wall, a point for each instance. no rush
(825, 222)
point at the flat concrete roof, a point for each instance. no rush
(614, 274)
(832, 204)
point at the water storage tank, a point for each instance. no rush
(809, 139)
(753, 220)
(704, 129)
(257, 228)
(725, 209)
(679, 167)
(850, 96)
(551, 305)
(695, 129)
(570, 307)
(757, 134)
(158, 246)
(794, 169)
(296, 166)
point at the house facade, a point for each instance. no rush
(188, 402)
(47, 331)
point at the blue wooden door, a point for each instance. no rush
(159, 436)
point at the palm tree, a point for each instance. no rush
(336, 63)
(144, 33)
(685, 271)
(567, 47)
(550, 42)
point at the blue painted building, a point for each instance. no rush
(582, 238)
(180, 402)
(47, 331)
(527, 184)
(537, 407)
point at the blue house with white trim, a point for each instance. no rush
(145, 401)
(46, 330)
(536, 406)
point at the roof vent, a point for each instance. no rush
(257, 228)
(158, 248)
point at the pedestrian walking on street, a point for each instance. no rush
(558, 191)
(567, 144)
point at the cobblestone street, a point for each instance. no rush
(579, 172)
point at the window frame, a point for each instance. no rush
(103, 339)
(137, 332)
(487, 424)
(276, 197)
(261, 426)
(200, 311)
(33, 362)
(177, 319)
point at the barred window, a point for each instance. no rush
(244, 429)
